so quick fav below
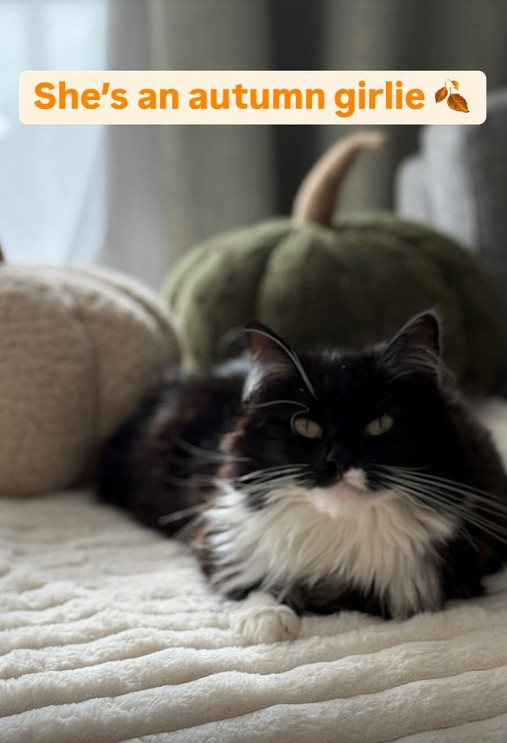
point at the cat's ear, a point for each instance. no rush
(271, 357)
(417, 345)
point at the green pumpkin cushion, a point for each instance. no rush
(347, 284)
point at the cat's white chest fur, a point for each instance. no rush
(385, 545)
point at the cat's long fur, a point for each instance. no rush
(390, 524)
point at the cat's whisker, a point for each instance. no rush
(420, 468)
(427, 475)
(436, 504)
(411, 485)
(268, 477)
(270, 484)
(276, 478)
(481, 498)
(269, 471)
(213, 456)
(290, 353)
(430, 476)
(451, 485)
(491, 528)
(179, 515)
(181, 534)
(278, 402)
(433, 497)
(268, 481)
(486, 505)
(276, 495)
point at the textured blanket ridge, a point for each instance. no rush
(108, 633)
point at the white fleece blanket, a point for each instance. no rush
(108, 633)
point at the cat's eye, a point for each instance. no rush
(379, 426)
(307, 428)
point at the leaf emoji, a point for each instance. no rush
(457, 103)
(441, 94)
(455, 83)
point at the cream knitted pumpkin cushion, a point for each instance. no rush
(79, 349)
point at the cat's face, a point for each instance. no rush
(340, 427)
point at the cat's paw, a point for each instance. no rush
(265, 621)
(259, 626)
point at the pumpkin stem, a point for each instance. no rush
(315, 199)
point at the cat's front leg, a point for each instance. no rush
(260, 619)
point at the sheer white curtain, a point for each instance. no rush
(129, 197)
(51, 178)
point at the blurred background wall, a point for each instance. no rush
(135, 198)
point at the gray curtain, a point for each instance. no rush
(170, 187)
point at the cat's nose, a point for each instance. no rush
(340, 457)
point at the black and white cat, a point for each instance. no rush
(322, 481)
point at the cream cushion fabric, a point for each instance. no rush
(78, 351)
